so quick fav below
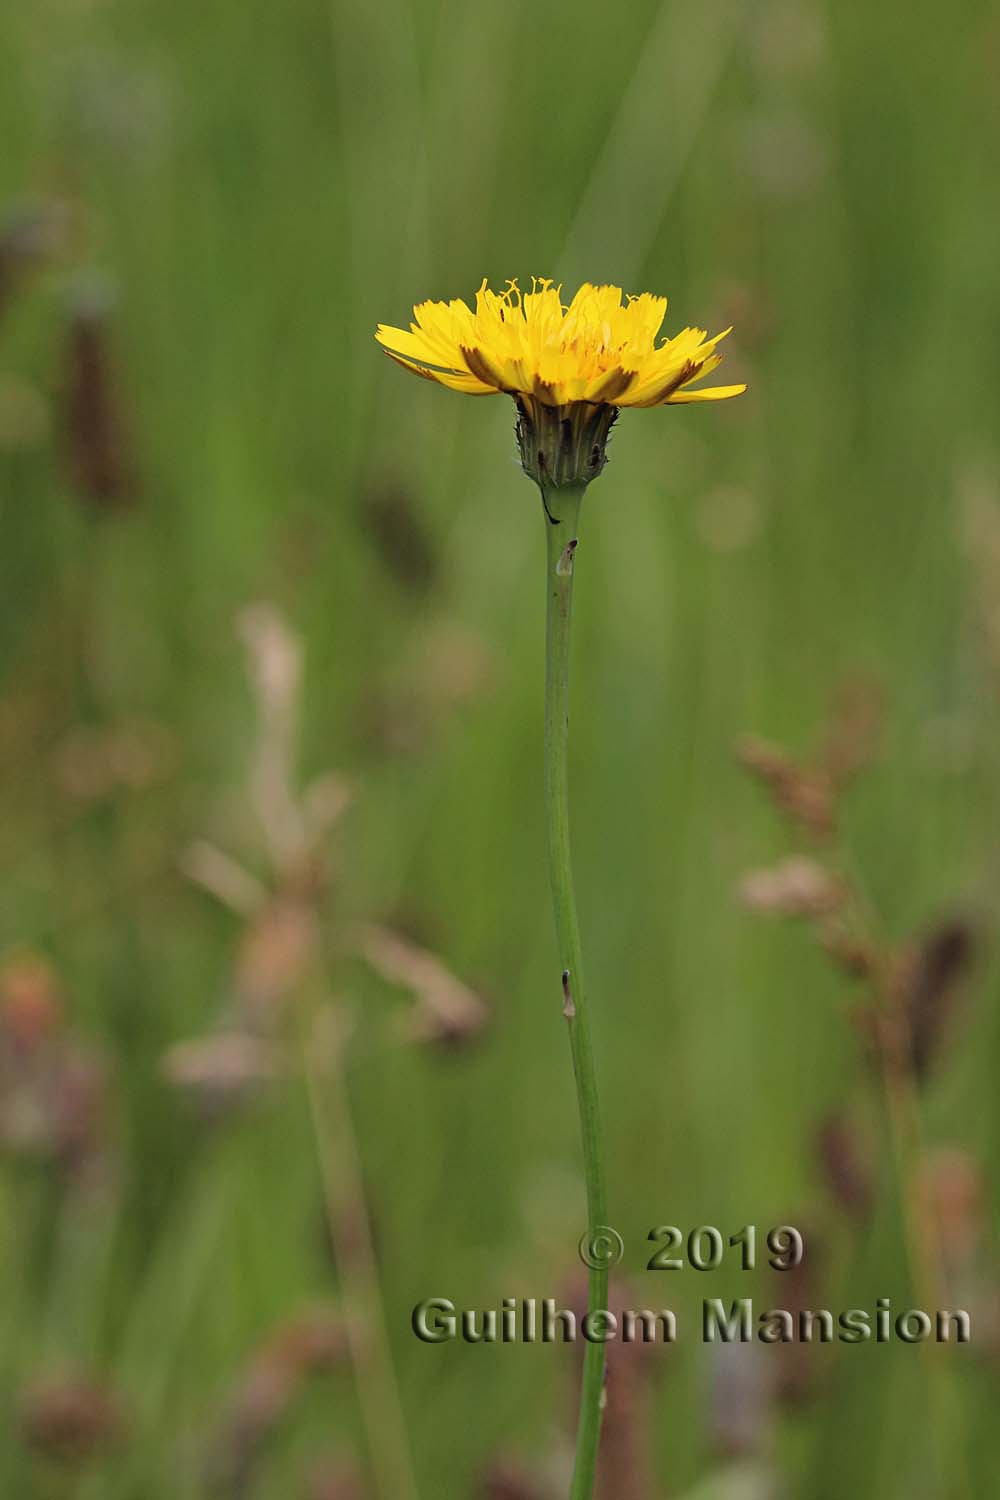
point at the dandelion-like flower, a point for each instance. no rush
(570, 368)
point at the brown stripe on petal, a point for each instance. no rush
(482, 368)
(615, 383)
(544, 390)
(454, 380)
(409, 365)
(687, 372)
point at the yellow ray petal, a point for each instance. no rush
(655, 392)
(417, 346)
(713, 393)
(465, 383)
(609, 387)
(485, 369)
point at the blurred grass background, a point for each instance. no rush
(207, 209)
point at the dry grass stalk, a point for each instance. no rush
(505, 1480)
(96, 434)
(807, 792)
(624, 1464)
(446, 1010)
(292, 1354)
(334, 1480)
(53, 1088)
(71, 1419)
(909, 988)
(846, 1165)
(278, 995)
(30, 236)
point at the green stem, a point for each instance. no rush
(562, 511)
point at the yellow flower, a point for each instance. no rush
(597, 349)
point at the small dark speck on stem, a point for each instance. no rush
(564, 566)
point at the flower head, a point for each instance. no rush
(576, 363)
(597, 349)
